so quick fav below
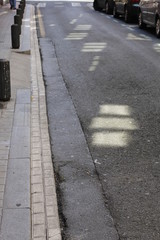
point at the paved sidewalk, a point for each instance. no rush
(28, 203)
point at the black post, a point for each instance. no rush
(23, 3)
(19, 12)
(5, 87)
(15, 36)
(21, 7)
(18, 20)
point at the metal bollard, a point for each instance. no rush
(18, 20)
(23, 3)
(19, 12)
(21, 7)
(15, 36)
(5, 87)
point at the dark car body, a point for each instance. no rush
(128, 8)
(106, 5)
(149, 13)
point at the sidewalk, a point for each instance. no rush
(28, 203)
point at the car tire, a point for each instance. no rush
(96, 6)
(158, 27)
(127, 17)
(115, 14)
(108, 8)
(141, 24)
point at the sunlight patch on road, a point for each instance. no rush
(93, 47)
(75, 4)
(73, 21)
(94, 64)
(76, 36)
(113, 126)
(52, 25)
(41, 25)
(2, 13)
(83, 27)
(156, 47)
(111, 109)
(112, 139)
(113, 123)
(141, 37)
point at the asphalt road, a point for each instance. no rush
(103, 96)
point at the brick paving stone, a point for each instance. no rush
(47, 166)
(36, 145)
(3, 174)
(49, 190)
(37, 188)
(49, 181)
(44, 209)
(41, 238)
(1, 203)
(50, 211)
(36, 157)
(35, 139)
(36, 179)
(47, 158)
(2, 187)
(2, 181)
(56, 237)
(39, 230)
(36, 171)
(39, 218)
(54, 233)
(1, 195)
(36, 164)
(38, 197)
(36, 150)
(48, 173)
(38, 207)
(3, 168)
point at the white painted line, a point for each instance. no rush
(76, 4)
(129, 28)
(145, 36)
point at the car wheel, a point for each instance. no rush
(115, 14)
(141, 24)
(108, 8)
(158, 28)
(95, 6)
(127, 17)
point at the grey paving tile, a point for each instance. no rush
(22, 115)
(15, 224)
(23, 96)
(17, 191)
(20, 142)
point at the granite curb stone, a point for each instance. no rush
(27, 184)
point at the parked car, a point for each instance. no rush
(106, 5)
(128, 8)
(149, 13)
